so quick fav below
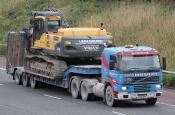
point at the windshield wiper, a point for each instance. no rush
(144, 68)
(134, 68)
(153, 68)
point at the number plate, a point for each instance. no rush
(141, 96)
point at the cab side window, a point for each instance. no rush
(112, 63)
(38, 29)
(53, 25)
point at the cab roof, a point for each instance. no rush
(115, 50)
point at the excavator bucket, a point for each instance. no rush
(15, 49)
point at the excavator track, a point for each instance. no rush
(45, 66)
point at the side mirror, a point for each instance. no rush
(164, 63)
(111, 65)
(101, 26)
(31, 21)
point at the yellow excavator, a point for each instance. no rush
(51, 32)
(54, 43)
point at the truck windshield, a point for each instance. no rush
(129, 63)
(53, 25)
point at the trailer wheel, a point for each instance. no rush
(151, 101)
(33, 83)
(74, 89)
(109, 96)
(17, 78)
(84, 91)
(25, 80)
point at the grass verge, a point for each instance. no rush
(2, 49)
(169, 80)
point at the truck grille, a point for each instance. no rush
(141, 88)
(145, 79)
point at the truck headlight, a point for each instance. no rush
(124, 88)
(158, 86)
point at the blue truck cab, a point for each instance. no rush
(131, 73)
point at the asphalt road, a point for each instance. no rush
(48, 100)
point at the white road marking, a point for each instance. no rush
(118, 113)
(2, 69)
(3, 106)
(1, 84)
(166, 104)
(52, 96)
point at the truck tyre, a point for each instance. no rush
(17, 77)
(25, 80)
(109, 96)
(74, 89)
(33, 83)
(151, 101)
(84, 91)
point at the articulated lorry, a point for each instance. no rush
(82, 60)
(125, 73)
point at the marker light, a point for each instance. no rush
(129, 46)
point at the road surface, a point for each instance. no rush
(19, 100)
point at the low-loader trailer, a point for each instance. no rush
(125, 73)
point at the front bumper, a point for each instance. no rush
(138, 96)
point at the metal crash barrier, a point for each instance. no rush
(169, 79)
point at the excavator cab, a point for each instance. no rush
(46, 22)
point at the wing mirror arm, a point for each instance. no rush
(164, 63)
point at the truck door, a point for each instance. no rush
(113, 62)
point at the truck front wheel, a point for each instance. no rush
(151, 101)
(109, 96)
(74, 88)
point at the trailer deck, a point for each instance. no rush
(90, 71)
